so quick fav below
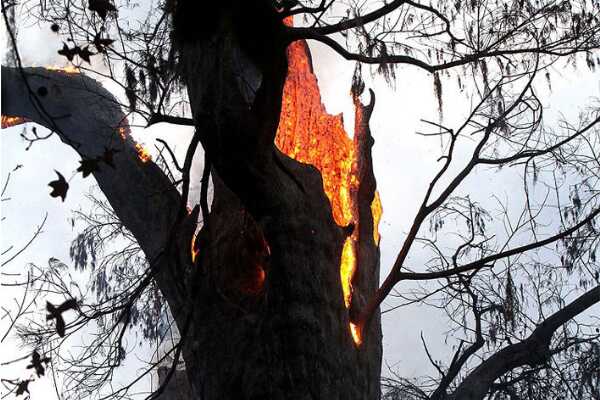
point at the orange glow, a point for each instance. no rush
(68, 69)
(310, 135)
(8, 121)
(347, 266)
(143, 154)
(355, 330)
(260, 277)
(376, 210)
(194, 250)
(123, 131)
(253, 280)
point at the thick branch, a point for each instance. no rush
(88, 118)
(360, 20)
(534, 350)
(462, 60)
(169, 119)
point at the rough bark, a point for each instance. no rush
(262, 313)
(291, 340)
(89, 119)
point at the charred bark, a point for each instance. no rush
(90, 120)
(262, 312)
(288, 336)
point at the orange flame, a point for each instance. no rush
(124, 131)
(347, 267)
(376, 210)
(143, 154)
(194, 251)
(310, 135)
(8, 121)
(355, 331)
(68, 69)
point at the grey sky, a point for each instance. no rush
(404, 164)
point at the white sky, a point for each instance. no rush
(404, 164)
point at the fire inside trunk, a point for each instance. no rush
(288, 256)
(307, 133)
(282, 290)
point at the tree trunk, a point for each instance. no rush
(262, 311)
(270, 320)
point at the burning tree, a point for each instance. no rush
(276, 292)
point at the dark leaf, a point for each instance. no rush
(55, 313)
(84, 54)
(70, 304)
(88, 166)
(22, 387)
(36, 363)
(60, 326)
(59, 187)
(102, 7)
(101, 43)
(67, 52)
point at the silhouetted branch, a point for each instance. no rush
(534, 350)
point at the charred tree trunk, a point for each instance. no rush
(269, 320)
(262, 311)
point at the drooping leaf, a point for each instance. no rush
(22, 387)
(130, 90)
(55, 313)
(59, 187)
(437, 91)
(36, 363)
(358, 85)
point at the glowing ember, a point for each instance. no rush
(143, 154)
(123, 131)
(194, 251)
(354, 329)
(8, 121)
(68, 69)
(253, 281)
(376, 210)
(347, 266)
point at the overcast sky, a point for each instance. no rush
(404, 164)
